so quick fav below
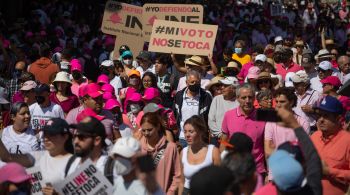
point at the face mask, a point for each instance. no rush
(238, 50)
(135, 108)
(133, 81)
(123, 166)
(40, 99)
(76, 75)
(194, 88)
(17, 73)
(127, 62)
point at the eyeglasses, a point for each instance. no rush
(147, 81)
(83, 137)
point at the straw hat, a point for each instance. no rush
(62, 77)
(214, 81)
(266, 75)
(194, 61)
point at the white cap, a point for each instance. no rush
(229, 81)
(62, 77)
(126, 147)
(278, 38)
(261, 57)
(288, 82)
(107, 63)
(325, 65)
(300, 77)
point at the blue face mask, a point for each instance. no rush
(238, 50)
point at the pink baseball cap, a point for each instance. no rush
(75, 65)
(134, 97)
(151, 93)
(111, 103)
(107, 95)
(93, 90)
(107, 88)
(332, 80)
(82, 90)
(13, 172)
(103, 79)
(88, 112)
(253, 72)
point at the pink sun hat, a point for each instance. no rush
(75, 65)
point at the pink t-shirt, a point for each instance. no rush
(75, 87)
(234, 121)
(281, 70)
(68, 104)
(279, 134)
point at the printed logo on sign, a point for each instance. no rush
(115, 18)
(187, 19)
(151, 20)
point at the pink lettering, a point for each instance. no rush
(192, 32)
(183, 31)
(209, 34)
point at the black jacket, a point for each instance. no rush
(204, 105)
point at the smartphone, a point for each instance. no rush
(145, 163)
(268, 115)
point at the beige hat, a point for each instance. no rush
(300, 77)
(62, 77)
(194, 61)
(233, 65)
(266, 75)
(299, 42)
(214, 81)
(329, 42)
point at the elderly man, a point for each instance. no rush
(192, 100)
(220, 105)
(344, 66)
(324, 70)
(333, 146)
(243, 119)
(307, 97)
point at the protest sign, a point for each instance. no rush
(182, 38)
(173, 12)
(86, 180)
(135, 45)
(36, 181)
(121, 18)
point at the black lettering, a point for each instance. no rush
(178, 43)
(169, 30)
(192, 19)
(170, 43)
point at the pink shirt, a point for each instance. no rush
(281, 70)
(244, 71)
(234, 121)
(75, 87)
(278, 134)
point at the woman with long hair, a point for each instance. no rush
(164, 153)
(198, 153)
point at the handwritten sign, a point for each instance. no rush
(86, 180)
(172, 12)
(182, 38)
(121, 18)
(36, 181)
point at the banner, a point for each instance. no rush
(182, 38)
(86, 180)
(122, 19)
(172, 12)
(36, 181)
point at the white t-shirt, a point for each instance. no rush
(151, 69)
(39, 115)
(21, 143)
(134, 187)
(100, 164)
(117, 84)
(52, 168)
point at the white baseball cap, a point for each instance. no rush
(107, 63)
(229, 81)
(325, 65)
(126, 147)
(261, 57)
(278, 38)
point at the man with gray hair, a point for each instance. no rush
(220, 105)
(192, 100)
(307, 98)
(243, 119)
(344, 67)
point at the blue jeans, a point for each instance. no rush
(183, 143)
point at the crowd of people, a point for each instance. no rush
(267, 113)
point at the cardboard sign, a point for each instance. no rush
(86, 180)
(182, 38)
(37, 181)
(172, 12)
(135, 44)
(121, 18)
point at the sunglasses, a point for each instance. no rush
(83, 136)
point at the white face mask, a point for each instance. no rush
(123, 166)
(135, 108)
(127, 62)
